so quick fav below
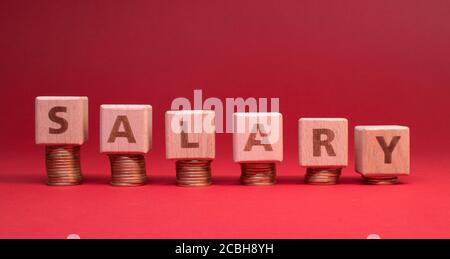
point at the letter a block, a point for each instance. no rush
(61, 120)
(125, 129)
(190, 134)
(258, 137)
(382, 151)
(323, 142)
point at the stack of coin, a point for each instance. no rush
(193, 172)
(380, 180)
(322, 176)
(258, 173)
(63, 165)
(127, 170)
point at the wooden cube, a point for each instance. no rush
(323, 142)
(190, 134)
(61, 120)
(382, 151)
(258, 137)
(125, 129)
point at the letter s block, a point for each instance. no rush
(323, 142)
(125, 129)
(258, 137)
(61, 120)
(382, 151)
(190, 134)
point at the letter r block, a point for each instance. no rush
(257, 137)
(190, 134)
(323, 142)
(125, 129)
(382, 151)
(61, 120)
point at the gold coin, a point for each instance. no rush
(193, 172)
(127, 169)
(63, 165)
(381, 180)
(322, 176)
(258, 173)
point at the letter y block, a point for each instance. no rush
(382, 153)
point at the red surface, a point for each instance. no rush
(383, 62)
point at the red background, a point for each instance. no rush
(373, 62)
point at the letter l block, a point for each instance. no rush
(190, 134)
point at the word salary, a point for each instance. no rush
(380, 151)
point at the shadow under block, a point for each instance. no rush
(125, 129)
(190, 134)
(323, 142)
(61, 120)
(382, 151)
(258, 137)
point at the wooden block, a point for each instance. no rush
(61, 120)
(382, 151)
(323, 142)
(125, 129)
(190, 134)
(258, 137)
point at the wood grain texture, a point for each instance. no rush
(197, 137)
(323, 142)
(254, 144)
(61, 119)
(372, 161)
(135, 139)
